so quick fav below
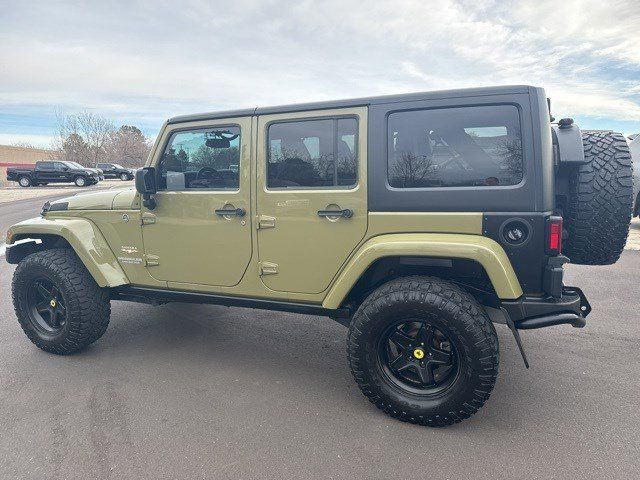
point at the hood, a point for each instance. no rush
(112, 199)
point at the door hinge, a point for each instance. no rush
(268, 268)
(265, 221)
(151, 260)
(148, 218)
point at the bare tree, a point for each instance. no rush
(75, 149)
(509, 152)
(128, 146)
(97, 131)
(88, 138)
(411, 170)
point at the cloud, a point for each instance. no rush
(142, 61)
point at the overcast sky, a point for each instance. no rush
(140, 62)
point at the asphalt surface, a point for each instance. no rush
(194, 392)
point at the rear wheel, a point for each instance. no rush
(58, 303)
(80, 181)
(24, 181)
(600, 201)
(423, 351)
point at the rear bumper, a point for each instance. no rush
(572, 308)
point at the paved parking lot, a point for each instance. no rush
(184, 391)
(16, 193)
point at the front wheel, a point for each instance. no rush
(124, 177)
(59, 305)
(80, 181)
(423, 351)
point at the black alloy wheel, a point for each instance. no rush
(46, 307)
(418, 357)
(423, 350)
(59, 305)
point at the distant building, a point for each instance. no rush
(19, 157)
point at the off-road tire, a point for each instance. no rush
(87, 305)
(80, 181)
(600, 201)
(455, 310)
(24, 181)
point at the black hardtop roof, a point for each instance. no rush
(355, 102)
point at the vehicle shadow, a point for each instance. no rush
(305, 353)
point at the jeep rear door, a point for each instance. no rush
(311, 195)
(200, 231)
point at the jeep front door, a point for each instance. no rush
(311, 196)
(200, 231)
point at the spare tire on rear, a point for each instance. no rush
(598, 210)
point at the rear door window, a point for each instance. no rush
(312, 153)
(477, 146)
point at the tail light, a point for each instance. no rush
(554, 236)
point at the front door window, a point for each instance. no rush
(204, 158)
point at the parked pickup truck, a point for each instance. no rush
(55, 172)
(113, 170)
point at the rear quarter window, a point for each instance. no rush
(478, 146)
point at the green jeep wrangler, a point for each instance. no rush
(417, 220)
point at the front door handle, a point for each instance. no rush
(231, 212)
(346, 213)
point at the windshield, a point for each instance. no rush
(73, 164)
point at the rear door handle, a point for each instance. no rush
(231, 212)
(346, 213)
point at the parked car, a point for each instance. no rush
(416, 220)
(113, 170)
(45, 172)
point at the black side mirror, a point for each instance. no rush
(146, 186)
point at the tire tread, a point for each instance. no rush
(88, 306)
(446, 296)
(600, 200)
